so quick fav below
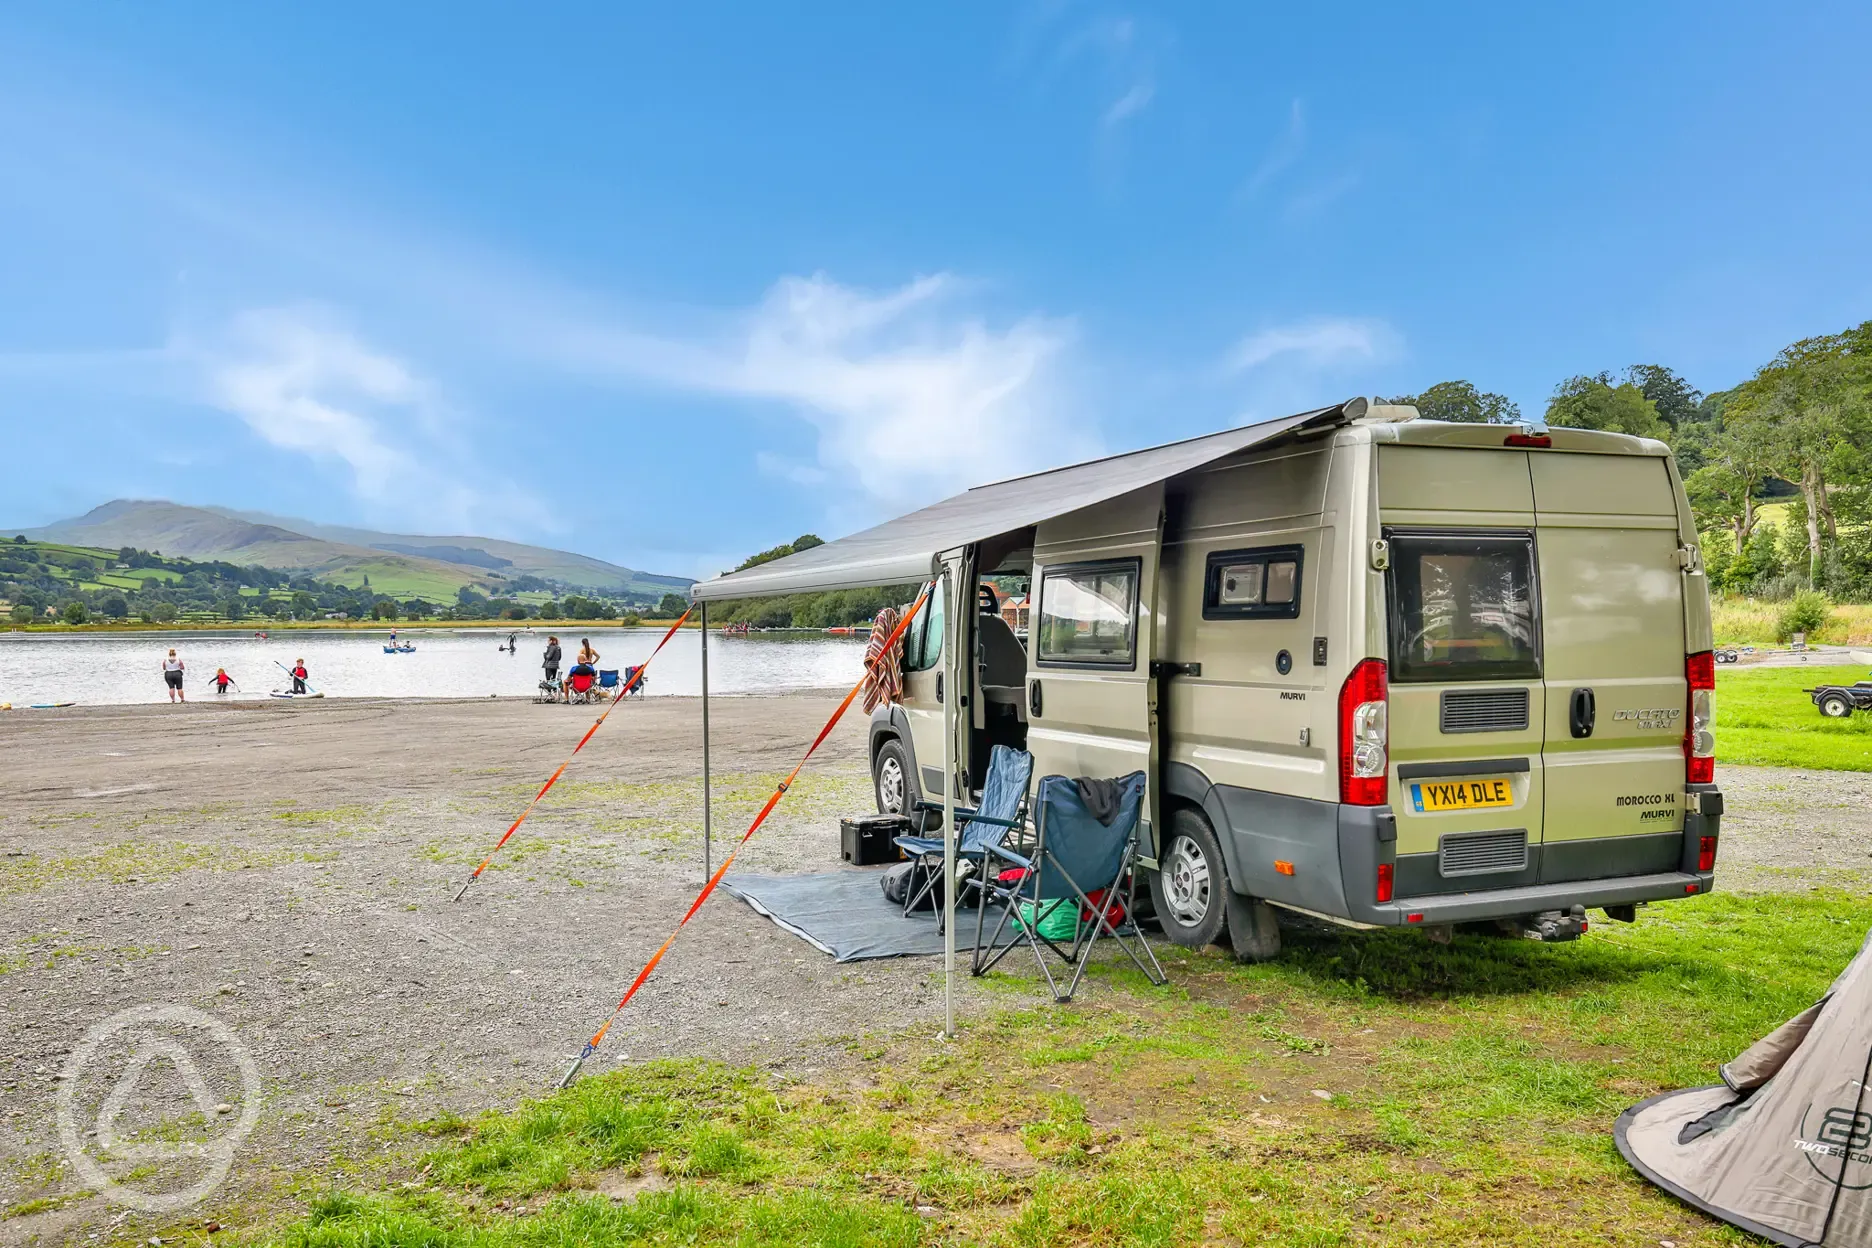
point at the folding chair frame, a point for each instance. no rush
(965, 815)
(990, 950)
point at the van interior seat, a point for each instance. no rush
(1003, 661)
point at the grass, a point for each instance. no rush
(1750, 621)
(1470, 1095)
(1763, 718)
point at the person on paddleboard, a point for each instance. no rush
(513, 643)
(172, 676)
(222, 680)
(299, 676)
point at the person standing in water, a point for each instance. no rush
(513, 643)
(172, 676)
(222, 680)
(299, 674)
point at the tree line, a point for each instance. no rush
(1798, 430)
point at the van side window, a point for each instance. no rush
(1258, 584)
(1088, 614)
(924, 644)
(1463, 606)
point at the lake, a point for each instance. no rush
(119, 668)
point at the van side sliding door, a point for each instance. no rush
(1091, 637)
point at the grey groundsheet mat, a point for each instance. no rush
(844, 913)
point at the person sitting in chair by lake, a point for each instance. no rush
(587, 663)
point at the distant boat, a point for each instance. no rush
(399, 649)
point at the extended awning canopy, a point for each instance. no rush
(907, 548)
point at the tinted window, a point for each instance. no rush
(1462, 607)
(924, 643)
(1088, 614)
(1263, 583)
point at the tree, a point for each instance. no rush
(549, 610)
(384, 609)
(1460, 401)
(115, 606)
(1596, 402)
(22, 613)
(1723, 491)
(74, 612)
(1678, 403)
(672, 606)
(233, 607)
(165, 612)
(1814, 401)
(805, 541)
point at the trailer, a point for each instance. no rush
(1840, 701)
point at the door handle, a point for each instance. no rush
(1033, 699)
(1581, 713)
(939, 689)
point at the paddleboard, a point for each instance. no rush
(282, 694)
(50, 706)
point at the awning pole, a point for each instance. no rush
(708, 867)
(951, 693)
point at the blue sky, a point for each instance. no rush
(668, 284)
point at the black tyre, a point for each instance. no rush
(1836, 706)
(894, 785)
(1190, 886)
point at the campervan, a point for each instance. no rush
(1380, 670)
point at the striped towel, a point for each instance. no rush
(883, 673)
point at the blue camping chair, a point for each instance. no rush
(607, 679)
(1003, 808)
(1074, 855)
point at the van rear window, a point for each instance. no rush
(1463, 607)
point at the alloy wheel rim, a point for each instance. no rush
(1187, 880)
(891, 786)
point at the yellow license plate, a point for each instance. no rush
(1480, 793)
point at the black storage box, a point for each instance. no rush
(866, 841)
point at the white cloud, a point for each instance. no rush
(1317, 343)
(910, 399)
(305, 383)
(1280, 157)
(1130, 103)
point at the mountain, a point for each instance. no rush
(404, 565)
(509, 558)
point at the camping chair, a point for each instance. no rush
(1074, 858)
(607, 678)
(549, 690)
(581, 684)
(1003, 807)
(636, 690)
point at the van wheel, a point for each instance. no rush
(895, 786)
(1835, 706)
(1190, 885)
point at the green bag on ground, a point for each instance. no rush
(1059, 919)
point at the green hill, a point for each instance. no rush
(402, 565)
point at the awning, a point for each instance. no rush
(906, 549)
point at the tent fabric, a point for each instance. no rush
(906, 549)
(1787, 1155)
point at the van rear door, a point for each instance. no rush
(1612, 588)
(1466, 699)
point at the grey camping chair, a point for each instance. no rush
(1075, 855)
(1003, 808)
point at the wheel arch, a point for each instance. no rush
(1186, 787)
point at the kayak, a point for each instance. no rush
(280, 693)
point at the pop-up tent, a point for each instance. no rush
(1782, 1147)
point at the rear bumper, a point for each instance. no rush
(1508, 903)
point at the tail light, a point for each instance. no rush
(1699, 744)
(1387, 874)
(1706, 853)
(1364, 736)
(1537, 440)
